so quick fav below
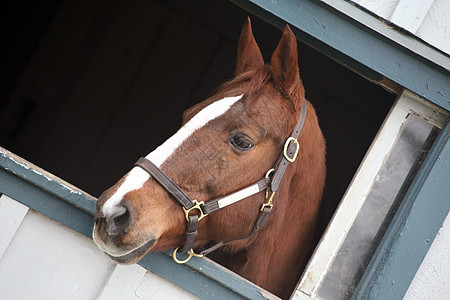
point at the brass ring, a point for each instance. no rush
(190, 252)
(269, 172)
(286, 146)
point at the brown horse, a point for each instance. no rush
(227, 143)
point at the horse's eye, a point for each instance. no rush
(241, 142)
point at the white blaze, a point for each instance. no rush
(137, 176)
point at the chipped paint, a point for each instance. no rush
(45, 181)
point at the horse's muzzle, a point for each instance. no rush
(110, 234)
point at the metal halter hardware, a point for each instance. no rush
(269, 194)
(286, 147)
(270, 183)
(191, 253)
(197, 205)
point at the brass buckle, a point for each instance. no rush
(196, 206)
(269, 199)
(190, 252)
(286, 146)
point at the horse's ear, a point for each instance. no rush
(285, 65)
(249, 56)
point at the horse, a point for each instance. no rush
(225, 144)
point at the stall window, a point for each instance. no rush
(103, 73)
(372, 199)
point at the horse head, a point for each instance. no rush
(226, 143)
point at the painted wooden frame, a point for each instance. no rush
(359, 189)
(413, 228)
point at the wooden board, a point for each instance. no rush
(428, 20)
(410, 14)
(134, 282)
(383, 8)
(435, 28)
(12, 214)
(47, 260)
(432, 280)
(42, 259)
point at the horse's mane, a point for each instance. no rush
(256, 79)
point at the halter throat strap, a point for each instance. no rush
(270, 183)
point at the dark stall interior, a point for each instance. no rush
(87, 87)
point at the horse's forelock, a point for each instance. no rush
(255, 83)
(254, 80)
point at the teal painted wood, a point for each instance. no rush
(72, 207)
(45, 193)
(357, 46)
(203, 278)
(413, 229)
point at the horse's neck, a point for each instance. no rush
(288, 242)
(278, 254)
(275, 257)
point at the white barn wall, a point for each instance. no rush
(382, 8)
(410, 14)
(12, 214)
(429, 20)
(135, 282)
(432, 280)
(435, 28)
(42, 259)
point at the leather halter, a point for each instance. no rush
(270, 183)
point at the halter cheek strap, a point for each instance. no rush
(290, 150)
(176, 192)
(270, 183)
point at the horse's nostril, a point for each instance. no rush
(118, 222)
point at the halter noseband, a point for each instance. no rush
(270, 183)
